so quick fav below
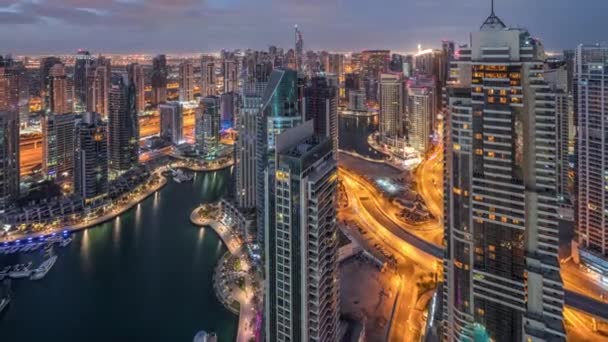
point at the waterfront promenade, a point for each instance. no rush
(235, 247)
(148, 189)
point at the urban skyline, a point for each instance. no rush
(456, 193)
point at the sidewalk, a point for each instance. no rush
(245, 298)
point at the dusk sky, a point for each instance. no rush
(151, 26)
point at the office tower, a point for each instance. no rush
(426, 61)
(501, 227)
(123, 126)
(91, 159)
(448, 49)
(208, 79)
(392, 105)
(210, 125)
(46, 64)
(17, 88)
(396, 63)
(299, 50)
(357, 101)
(9, 156)
(590, 85)
(280, 111)
(104, 81)
(373, 63)
(159, 80)
(302, 301)
(421, 111)
(254, 85)
(136, 76)
(58, 145)
(556, 76)
(81, 80)
(57, 87)
(408, 65)
(321, 106)
(230, 70)
(172, 122)
(569, 59)
(228, 109)
(186, 81)
(352, 82)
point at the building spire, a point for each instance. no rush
(493, 23)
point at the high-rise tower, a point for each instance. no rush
(159, 80)
(186, 81)
(123, 126)
(136, 76)
(91, 159)
(501, 215)
(302, 288)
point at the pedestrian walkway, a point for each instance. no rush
(245, 298)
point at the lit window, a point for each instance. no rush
(478, 136)
(491, 138)
(491, 154)
(490, 91)
(503, 100)
(478, 151)
(492, 217)
(491, 248)
(503, 92)
(491, 100)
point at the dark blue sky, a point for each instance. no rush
(56, 26)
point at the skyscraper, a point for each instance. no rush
(590, 85)
(299, 49)
(46, 63)
(17, 88)
(302, 289)
(253, 88)
(172, 122)
(373, 63)
(58, 97)
(58, 145)
(208, 79)
(123, 126)
(211, 125)
(321, 106)
(392, 106)
(280, 111)
(91, 159)
(186, 81)
(136, 76)
(501, 226)
(81, 72)
(159, 80)
(9, 156)
(230, 70)
(421, 109)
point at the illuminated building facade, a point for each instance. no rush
(421, 108)
(136, 76)
(172, 122)
(208, 79)
(280, 110)
(159, 80)
(321, 106)
(58, 97)
(123, 126)
(253, 88)
(9, 157)
(84, 62)
(210, 125)
(186, 81)
(392, 105)
(590, 85)
(302, 289)
(501, 265)
(91, 159)
(58, 145)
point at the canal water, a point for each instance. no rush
(145, 276)
(353, 134)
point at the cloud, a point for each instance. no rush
(210, 25)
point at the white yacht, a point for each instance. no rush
(181, 176)
(21, 272)
(65, 242)
(44, 268)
